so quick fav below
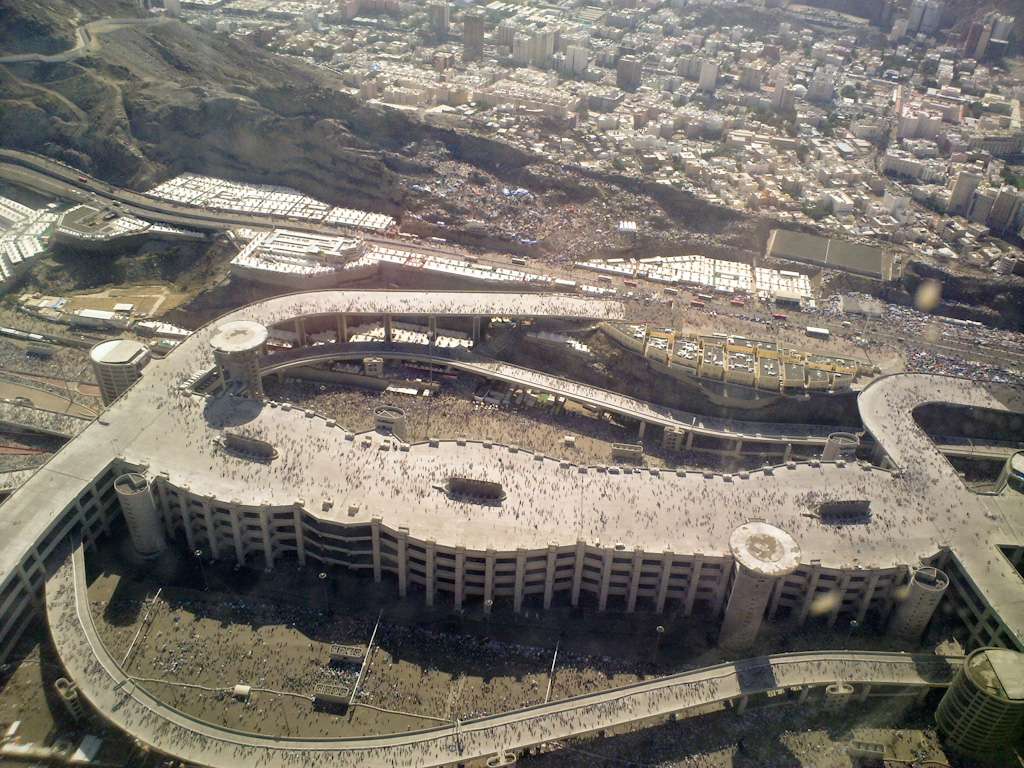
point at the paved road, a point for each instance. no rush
(86, 41)
(132, 708)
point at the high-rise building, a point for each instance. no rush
(708, 76)
(971, 40)
(439, 20)
(982, 710)
(627, 73)
(763, 553)
(237, 349)
(982, 205)
(577, 59)
(472, 37)
(117, 364)
(963, 192)
(751, 78)
(821, 88)
(1003, 209)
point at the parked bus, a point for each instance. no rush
(671, 291)
(778, 316)
(738, 302)
(520, 262)
(697, 303)
(630, 283)
(818, 333)
(705, 296)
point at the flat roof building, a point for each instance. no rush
(118, 364)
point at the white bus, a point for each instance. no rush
(818, 333)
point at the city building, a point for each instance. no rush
(472, 36)
(627, 73)
(237, 348)
(117, 364)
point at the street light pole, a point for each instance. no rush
(323, 583)
(202, 570)
(657, 642)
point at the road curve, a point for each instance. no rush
(85, 36)
(133, 709)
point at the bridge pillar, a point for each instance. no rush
(865, 692)
(691, 586)
(236, 532)
(430, 567)
(640, 432)
(742, 705)
(517, 599)
(268, 547)
(689, 440)
(489, 558)
(925, 690)
(812, 588)
(403, 563)
(844, 583)
(667, 560)
(432, 326)
(788, 452)
(476, 328)
(577, 574)
(375, 534)
(185, 508)
(804, 693)
(737, 448)
(300, 539)
(869, 593)
(606, 577)
(211, 530)
(387, 329)
(549, 575)
(634, 578)
(300, 330)
(342, 322)
(460, 575)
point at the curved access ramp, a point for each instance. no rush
(133, 709)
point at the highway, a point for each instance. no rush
(134, 709)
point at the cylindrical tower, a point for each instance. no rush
(841, 445)
(1013, 473)
(68, 693)
(237, 348)
(118, 364)
(837, 695)
(924, 592)
(140, 513)
(983, 708)
(763, 553)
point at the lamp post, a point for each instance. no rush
(202, 570)
(323, 583)
(657, 641)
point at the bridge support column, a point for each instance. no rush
(429, 567)
(844, 583)
(812, 588)
(403, 563)
(577, 574)
(865, 692)
(185, 509)
(869, 593)
(375, 534)
(268, 547)
(432, 326)
(476, 328)
(788, 452)
(606, 578)
(211, 529)
(804, 693)
(517, 600)
(341, 320)
(236, 532)
(300, 330)
(388, 332)
(460, 575)
(489, 580)
(634, 578)
(742, 705)
(640, 432)
(300, 538)
(667, 560)
(925, 690)
(738, 448)
(549, 575)
(720, 591)
(691, 587)
(689, 440)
